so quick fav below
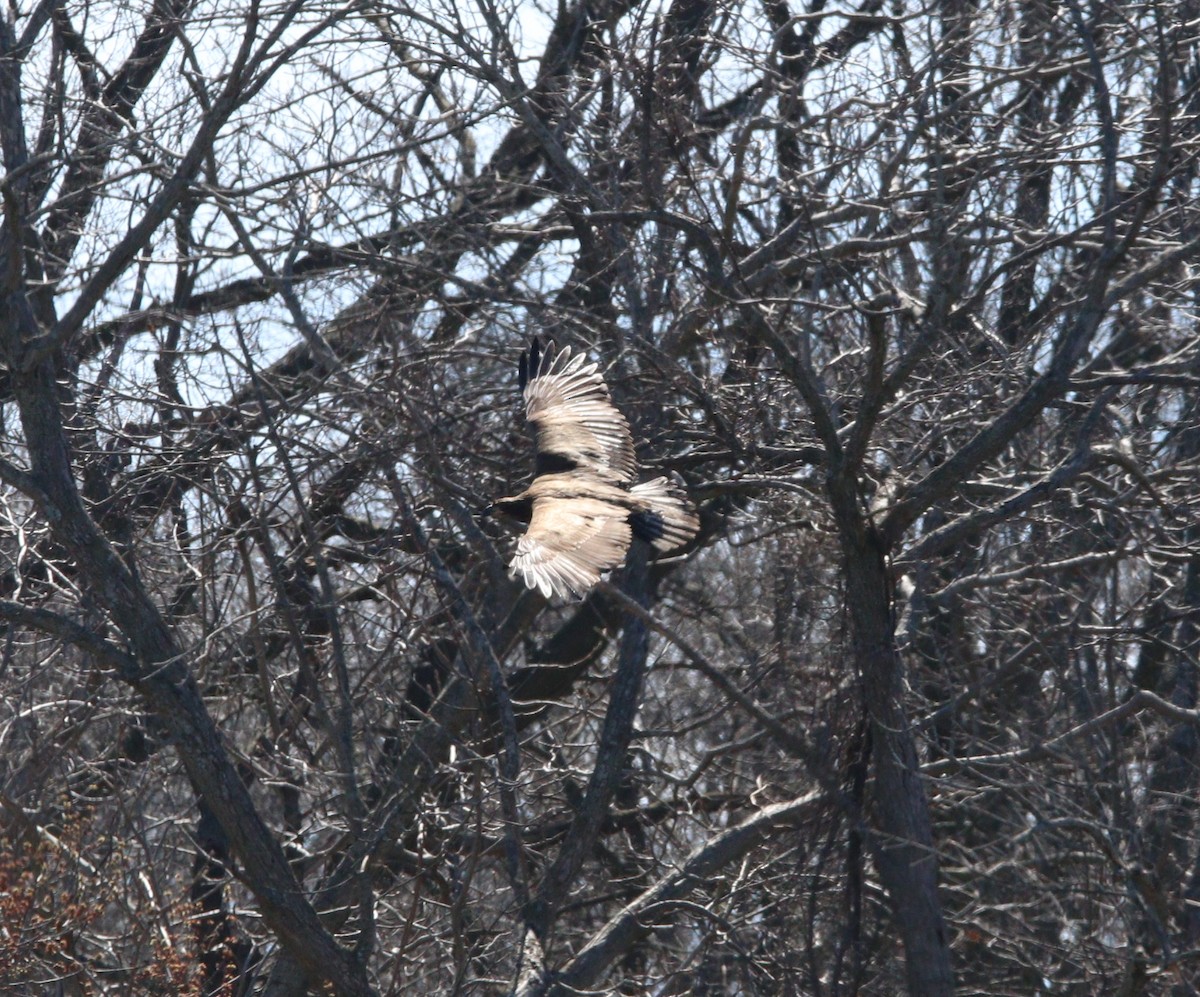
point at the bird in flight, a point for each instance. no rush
(583, 508)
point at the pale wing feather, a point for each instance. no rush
(568, 401)
(569, 544)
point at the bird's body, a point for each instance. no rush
(582, 508)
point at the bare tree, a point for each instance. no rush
(904, 293)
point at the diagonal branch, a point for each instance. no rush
(639, 918)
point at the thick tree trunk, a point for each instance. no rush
(898, 809)
(156, 669)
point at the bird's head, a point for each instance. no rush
(518, 507)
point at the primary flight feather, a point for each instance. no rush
(582, 508)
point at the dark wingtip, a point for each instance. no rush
(532, 360)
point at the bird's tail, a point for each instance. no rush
(668, 520)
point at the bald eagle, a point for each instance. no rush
(583, 508)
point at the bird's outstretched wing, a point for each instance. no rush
(570, 543)
(576, 424)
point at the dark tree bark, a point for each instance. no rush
(898, 807)
(903, 296)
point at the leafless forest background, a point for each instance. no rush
(906, 293)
